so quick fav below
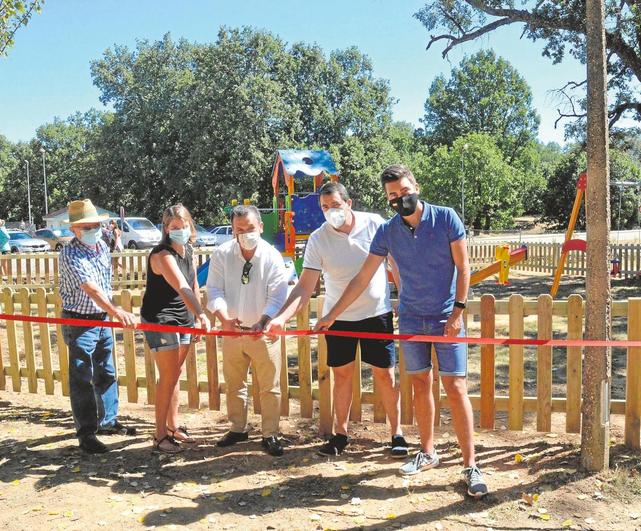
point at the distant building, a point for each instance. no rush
(56, 220)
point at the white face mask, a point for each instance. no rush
(336, 217)
(249, 240)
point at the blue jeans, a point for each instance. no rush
(452, 357)
(93, 387)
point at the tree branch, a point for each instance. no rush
(455, 41)
(534, 20)
(616, 112)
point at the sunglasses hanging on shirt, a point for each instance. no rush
(244, 279)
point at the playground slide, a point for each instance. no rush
(516, 256)
(202, 273)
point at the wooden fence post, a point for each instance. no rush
(305, 365)
(14, 361)
(325, 381)
(191, 368)
(633, 378)
(63, 353)
(27, 331)
(487, 363)
(130, 351)
(574, 364)
(45, 340)
(544, 365)
(515, 400)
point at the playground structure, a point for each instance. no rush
(296, 178)
(501, 267)
(295, 214)
(580, 245)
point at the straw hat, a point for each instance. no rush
(83, 211)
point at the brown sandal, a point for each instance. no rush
(167, 445)
(183, 435)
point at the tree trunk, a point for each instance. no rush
(595, 433)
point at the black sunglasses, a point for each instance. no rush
(244, 279)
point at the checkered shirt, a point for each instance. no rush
(79, 264)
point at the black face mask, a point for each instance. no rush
(405, 205)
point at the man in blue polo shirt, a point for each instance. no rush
(427, 242)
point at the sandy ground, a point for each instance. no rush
(47, 483)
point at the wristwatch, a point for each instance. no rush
(459, 304)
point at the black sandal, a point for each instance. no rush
(182, 430)
(335, 445)
(171, 446)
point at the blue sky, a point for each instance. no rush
(47, 71)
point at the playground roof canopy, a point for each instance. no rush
(299, 163)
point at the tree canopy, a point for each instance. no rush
(561, 25)
(484, 94)
(15, 14)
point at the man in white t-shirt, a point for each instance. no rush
(338, 249)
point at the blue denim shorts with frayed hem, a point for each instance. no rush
(452, 357)
(160, 341)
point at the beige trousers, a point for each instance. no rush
(264, 353)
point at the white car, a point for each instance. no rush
(139, 233)
(204, 238)
(21, 242)
(222, 234)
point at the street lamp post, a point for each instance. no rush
(29, 193)
(44, 176)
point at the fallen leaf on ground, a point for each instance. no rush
(530, 499)
(266, 492)
(567, 523)
(518, 458)
(390, 516)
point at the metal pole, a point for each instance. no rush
(44, 175)
(595, 429)
(29, 194)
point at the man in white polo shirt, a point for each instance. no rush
(246, 286)
(338, 249)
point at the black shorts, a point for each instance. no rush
(377, 352)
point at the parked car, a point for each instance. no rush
(204, 238)
(21, 242)
(222, 234)
(139, 233)
(56, 238)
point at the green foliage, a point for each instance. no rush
(561, 191)
(492, 188)
(484, 94)
(13, 15)
(200, 123)
(561, 27)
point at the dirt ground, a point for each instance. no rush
(47, 483)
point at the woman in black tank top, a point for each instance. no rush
(172, 298)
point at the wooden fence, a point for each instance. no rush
(41, 269)
(544, 258)
(36, 353)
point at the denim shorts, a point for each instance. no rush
(452, 357)
(160, 341)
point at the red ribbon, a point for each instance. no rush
(150, 327)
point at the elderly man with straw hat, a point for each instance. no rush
(85, 289)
